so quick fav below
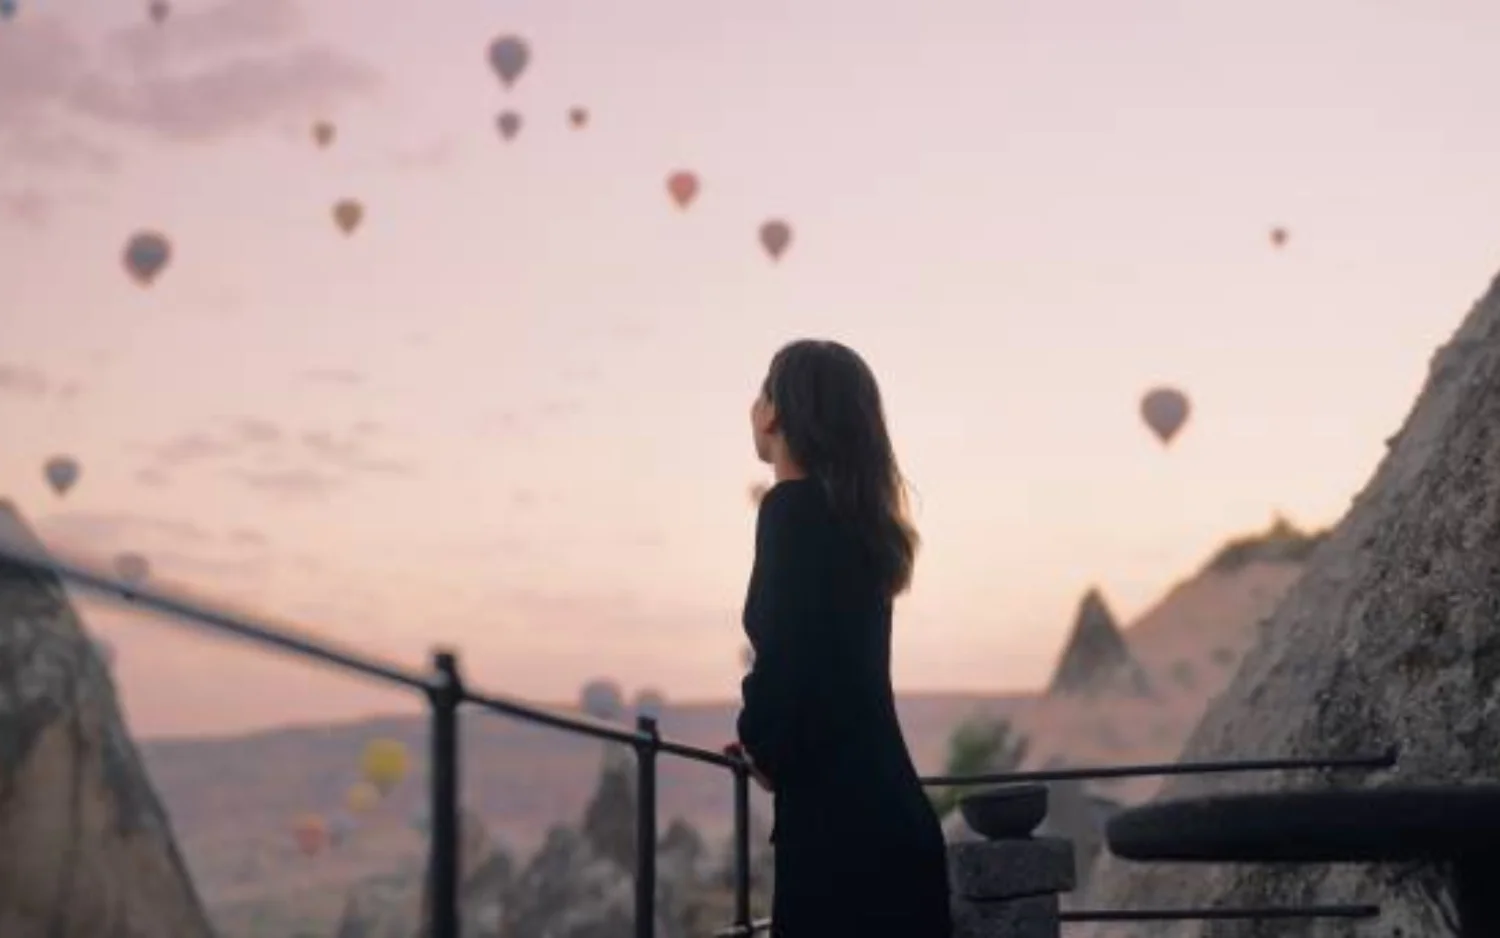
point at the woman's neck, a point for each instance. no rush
(786, 470)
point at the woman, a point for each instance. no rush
(858, 848)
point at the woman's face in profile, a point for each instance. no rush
(762, 426)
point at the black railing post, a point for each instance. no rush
(444, 698)
(645, 827)
(742, 847)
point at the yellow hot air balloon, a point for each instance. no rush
(384, 764)
(362, 797)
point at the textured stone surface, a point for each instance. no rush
(1032, 917)
(86, 849)
(1006, 869)
(1391, 636)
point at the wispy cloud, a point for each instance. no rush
(29, 381)
(208, 73)
(279, 461)
(29, 206)
(292, 483)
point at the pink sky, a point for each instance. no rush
(528, 438)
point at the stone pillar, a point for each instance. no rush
(1009, 888)
(1008, 885)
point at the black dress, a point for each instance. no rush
(858, 848)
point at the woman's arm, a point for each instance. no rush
(789, 613)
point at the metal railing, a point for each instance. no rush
(445, 692)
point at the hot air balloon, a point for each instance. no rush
(602, 700)
(347, 214)
(1278, 237)
(310, 832)
(322, 133)
(775, 235)
(146, 253)
(7, 9)
(508, 57)
(158, 10)
(650, 703)
(509, 123)
(362, 797)
(1165, 410)
(758, 491)
(384, 764)
(682, 186)
(578, 117)
(61, 473)
(132, 567)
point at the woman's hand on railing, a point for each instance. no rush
(736, 750)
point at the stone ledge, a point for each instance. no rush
(1031, 917)
(1009, 869)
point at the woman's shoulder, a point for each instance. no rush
(794, 497)
(794, 503)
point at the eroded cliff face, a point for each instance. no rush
(1391, 636)
(86, 849)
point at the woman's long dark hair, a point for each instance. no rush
(829, 411)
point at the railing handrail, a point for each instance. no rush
(1383, 760)
(290, 638)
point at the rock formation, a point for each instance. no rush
(85, 846)
(1391, 636)
(1095, 651)
(579, 884)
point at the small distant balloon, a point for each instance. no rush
(158, 10)
(1165, 410)
(1279, 237)
(384, 764)
(650, 703)
(775, 236)
(509, 123)
(578, 117)
(323, 133)
(132, 567)
(602, 700)
(310, 833)
(509, 56)
(146, 254)
(362, 797)
(757, 492)
(682, 186)
(347, 214)
(61, 473)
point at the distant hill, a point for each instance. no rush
(233, 799)
(1182, 652)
